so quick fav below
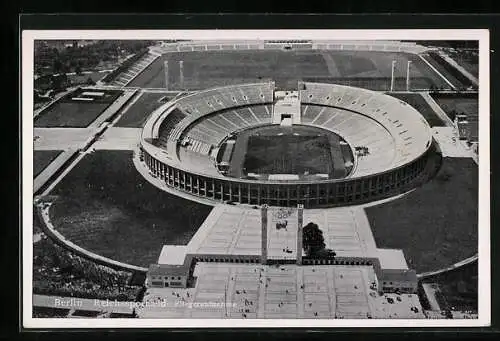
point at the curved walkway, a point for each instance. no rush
(455, 266)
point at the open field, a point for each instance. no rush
(137, 114)
(75, 114)
(107, 207)
(42, 158)
(419, 103)
(435, 225)
(357, 68)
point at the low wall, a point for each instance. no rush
(454, 267)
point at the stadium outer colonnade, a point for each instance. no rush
(310, 194)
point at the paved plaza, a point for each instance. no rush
(225, 290)
(233, 230)
(118, 139)
(60, 138)
(449, 142)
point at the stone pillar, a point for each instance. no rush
(181, 75)
(300, 223)
(263, 213)
(165, 67)
(393, 65)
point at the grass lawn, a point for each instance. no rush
(43, 158)
(107, 207)
(137, 114)
(435, 225)
(75, 114)
(470, 106)
(419, 103)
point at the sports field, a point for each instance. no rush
(288, 154)
(300, 150)
(43, 158)
(357, 68)
(419, 103)
(437, 224)
(107, 207)
(136, 115)
(71, 113)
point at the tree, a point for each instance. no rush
(313, 240)
(57, 65)
(453, 114)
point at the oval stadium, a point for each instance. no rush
(286, 179)
(218, 145)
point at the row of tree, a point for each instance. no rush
(57, 268)
(75, 58)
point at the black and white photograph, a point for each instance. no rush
(255, 178)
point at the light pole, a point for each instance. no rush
(392, 74)
(408, 76)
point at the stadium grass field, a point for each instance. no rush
(419, 103)
(368, 69)
(74, 114)
(43, 158)
(136, 115)
(105, 206)
(288, 154)
(436, 225)
(301, 150)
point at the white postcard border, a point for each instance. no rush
(27, 43)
